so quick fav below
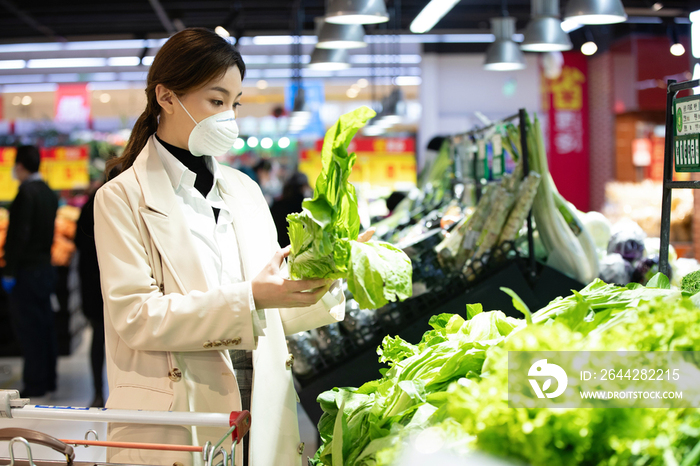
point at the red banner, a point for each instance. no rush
(72, 103)
(565, 102)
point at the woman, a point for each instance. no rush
(190, 269)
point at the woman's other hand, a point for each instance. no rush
(271, 291)
(366, 236)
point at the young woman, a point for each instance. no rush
(192, 276)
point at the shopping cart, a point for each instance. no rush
(12, 406)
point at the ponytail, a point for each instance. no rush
(188, 60)
(145, 126)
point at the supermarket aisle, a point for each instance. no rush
(75, 389)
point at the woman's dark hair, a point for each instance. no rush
(29, 157)
(187, 61)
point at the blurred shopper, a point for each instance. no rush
(295, 190)
(91, 293)
(262, 170)
(29, 277)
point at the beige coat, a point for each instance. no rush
(167, 334)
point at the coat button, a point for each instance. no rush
(300, 448)
(217, 343)
(175, 374)
(290, 361)
(227, 341)
(208, 344)
(236, 341)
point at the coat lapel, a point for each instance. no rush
(247, 228)
(166, 223)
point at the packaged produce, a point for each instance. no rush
(525, 197)
(627, 240)
(323, 236)
(599, 228)
(615, 269)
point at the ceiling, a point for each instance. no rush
(53, 20)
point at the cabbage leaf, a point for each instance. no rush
(324, 235)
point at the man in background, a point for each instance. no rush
(29, 277)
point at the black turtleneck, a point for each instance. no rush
(204, 179)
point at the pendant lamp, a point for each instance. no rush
(544, 32)
(504, 54)
(329, 59)
(595, 11)
(341, 36)
(356, 12)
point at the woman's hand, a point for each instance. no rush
(366, 236)
(271, 291)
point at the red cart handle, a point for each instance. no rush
(240, 419)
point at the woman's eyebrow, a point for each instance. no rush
(220, 89)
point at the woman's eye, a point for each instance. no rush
(218, 103)
(237, 104)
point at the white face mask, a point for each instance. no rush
(213, 135)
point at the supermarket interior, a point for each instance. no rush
(477, 187)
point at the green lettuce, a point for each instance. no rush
(324, 235)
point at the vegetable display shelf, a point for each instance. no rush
(358, 360)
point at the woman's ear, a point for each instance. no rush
(165, 98)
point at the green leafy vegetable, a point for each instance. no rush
(324, 235)
(691, 282)
(455, 382)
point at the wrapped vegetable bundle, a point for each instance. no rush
(324, 235)
(526, 195)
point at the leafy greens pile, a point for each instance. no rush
(454, 383)
(324, 235)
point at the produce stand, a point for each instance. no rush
(354, 360)
(681, 153)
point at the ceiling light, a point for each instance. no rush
(329, 59)
(595, 11)
(429, 16)
(570, 26)
(504, 54)
(362, 82)
(677, 49)
(657, 6)
(352, 93)
(65, 62)
(12, 64)
(283, 143)
(104, 98)
(252, 142)
(589, 48)
(407, 80)
(16, 100)
(544, 33)
(340, 36)
(27, 100)
(239, 144)
(220, 30)
(266, 143)
(262, 84)
(356, 12)
(373, 130)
